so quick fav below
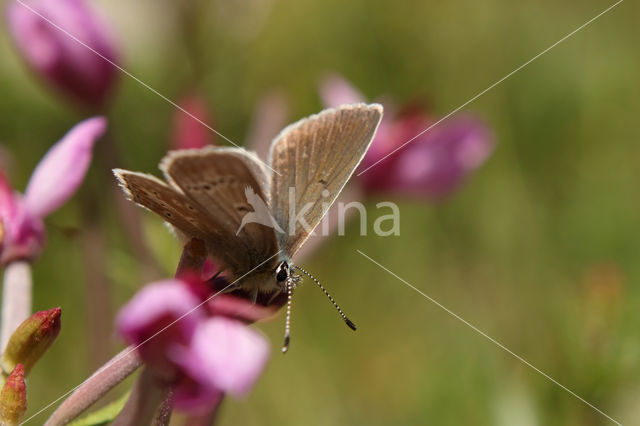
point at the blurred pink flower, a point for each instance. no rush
(433, 165)
(147, 318)
(38, 28)
(55, 179)
(225, 356)
(193, 345)
(187, 131)
(336, 90)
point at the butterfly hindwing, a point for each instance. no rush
(226, 183)
(182, 213)
(316, 157)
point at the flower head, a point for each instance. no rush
(432, 165)
(62, 41)
(53, 182)
(224, 355)
(204, 349)
(160, 315)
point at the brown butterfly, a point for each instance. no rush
(210, 193)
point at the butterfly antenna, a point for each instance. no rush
(287, 324)
(344, 317)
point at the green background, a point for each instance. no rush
(539, 249)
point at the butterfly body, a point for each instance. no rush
(241, 208)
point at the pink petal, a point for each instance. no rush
(7, 200)
(155, 307)
(194, 396)
(160, 317)
(209, 269)
(23, 234)
(227, 354)
(62, 169)
(434, 164)
(38, 30)
(269, 117)
(241, 308)
(335, 90)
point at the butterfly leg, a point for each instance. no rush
(295, 280)
(254, 294)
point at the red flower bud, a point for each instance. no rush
(31, 340)
(13, 398)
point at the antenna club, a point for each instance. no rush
(333, 302)
(350, 324)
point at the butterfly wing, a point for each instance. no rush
(316, 156)
(217, 180)
(186, 216)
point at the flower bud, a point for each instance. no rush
(13, 398)
(31, 339)
(49, 35)
(188, 130)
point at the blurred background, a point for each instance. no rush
(538, 248)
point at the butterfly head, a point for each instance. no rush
(283, 273)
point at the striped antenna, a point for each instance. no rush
(287, 326)
(344, 317)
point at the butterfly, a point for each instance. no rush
(210, 192)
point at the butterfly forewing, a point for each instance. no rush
(313, 160)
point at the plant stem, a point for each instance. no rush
(148, 404)
(97, 294)
(102, 381)
(16, 298)
(205, 419)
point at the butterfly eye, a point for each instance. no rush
(282, 272)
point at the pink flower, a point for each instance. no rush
(53, 182)
(162, 314)
(224, 356)
(335, 91)
(192, 344)
(187, 131)
(431, 166)
(44, 32)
